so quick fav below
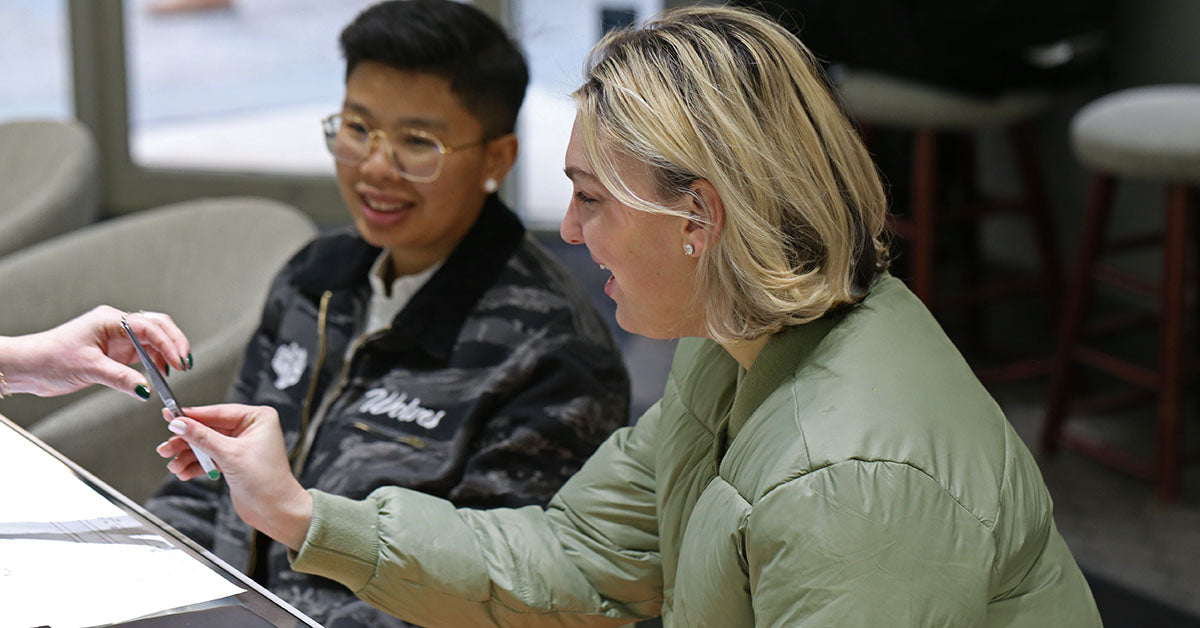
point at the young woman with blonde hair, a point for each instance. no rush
(821, 456)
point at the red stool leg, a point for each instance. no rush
(1025, 145)
(1079, 291)
(1170, 372)
(971, 232)
(921, 239)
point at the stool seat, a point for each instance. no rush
(887, 100)
(1142, 132)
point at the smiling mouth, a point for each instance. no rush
(385, 208)
(610, 281)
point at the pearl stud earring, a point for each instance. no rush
(490, 185)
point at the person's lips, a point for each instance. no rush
(385, 210)
(385, 205)
(610, 282)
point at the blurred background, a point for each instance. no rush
(187, 102)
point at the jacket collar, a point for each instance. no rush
(434, 315)
(338, 262)
(778, 360)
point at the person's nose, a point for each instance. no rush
(378, 161)
(570, 229)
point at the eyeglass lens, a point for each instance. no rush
(413, 153)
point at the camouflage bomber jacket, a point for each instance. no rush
(491, 388)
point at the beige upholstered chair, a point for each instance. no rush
(207, 263)
(49, 180)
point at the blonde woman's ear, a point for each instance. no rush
(707, 207)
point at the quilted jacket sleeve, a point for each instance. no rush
(866, 543)
(879, 543)
(590, 558)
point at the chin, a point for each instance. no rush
(624, 323)
(371, 236)
(644, 328)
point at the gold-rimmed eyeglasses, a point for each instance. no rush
(417, 155)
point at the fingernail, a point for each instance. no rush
(189, 361)
(161, 445)
(142, 392)
(177, 426)
(183, 363)
(166, 369)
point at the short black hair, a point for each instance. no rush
(449, 39)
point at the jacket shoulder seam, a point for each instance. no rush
(804, 475)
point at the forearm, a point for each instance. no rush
(18, 362)
(290, 520)
(421, 559)
(7, 368)
(590, 558)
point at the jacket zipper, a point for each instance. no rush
(322, 314)
(310, 433)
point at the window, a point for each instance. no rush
(556, 37)
(242, 87)
(234, 86)
(35, 60)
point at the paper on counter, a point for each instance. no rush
(69, 557)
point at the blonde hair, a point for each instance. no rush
(729, 96)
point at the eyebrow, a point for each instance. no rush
(422, 123)
(574, 171)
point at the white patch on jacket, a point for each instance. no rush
(381, 401)
(289, 363)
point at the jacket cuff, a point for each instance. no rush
(342, 542)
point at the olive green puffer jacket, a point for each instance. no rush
(857, 475)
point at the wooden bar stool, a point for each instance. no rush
(1150, 133)
(935, 117)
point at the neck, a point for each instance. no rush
(410, 260)
(746, 351)
(407, 263)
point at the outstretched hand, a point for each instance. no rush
(247, 445)
(92, 349)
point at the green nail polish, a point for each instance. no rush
(182, 363)
(189, 361)
(166, 369)
(142, 392)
